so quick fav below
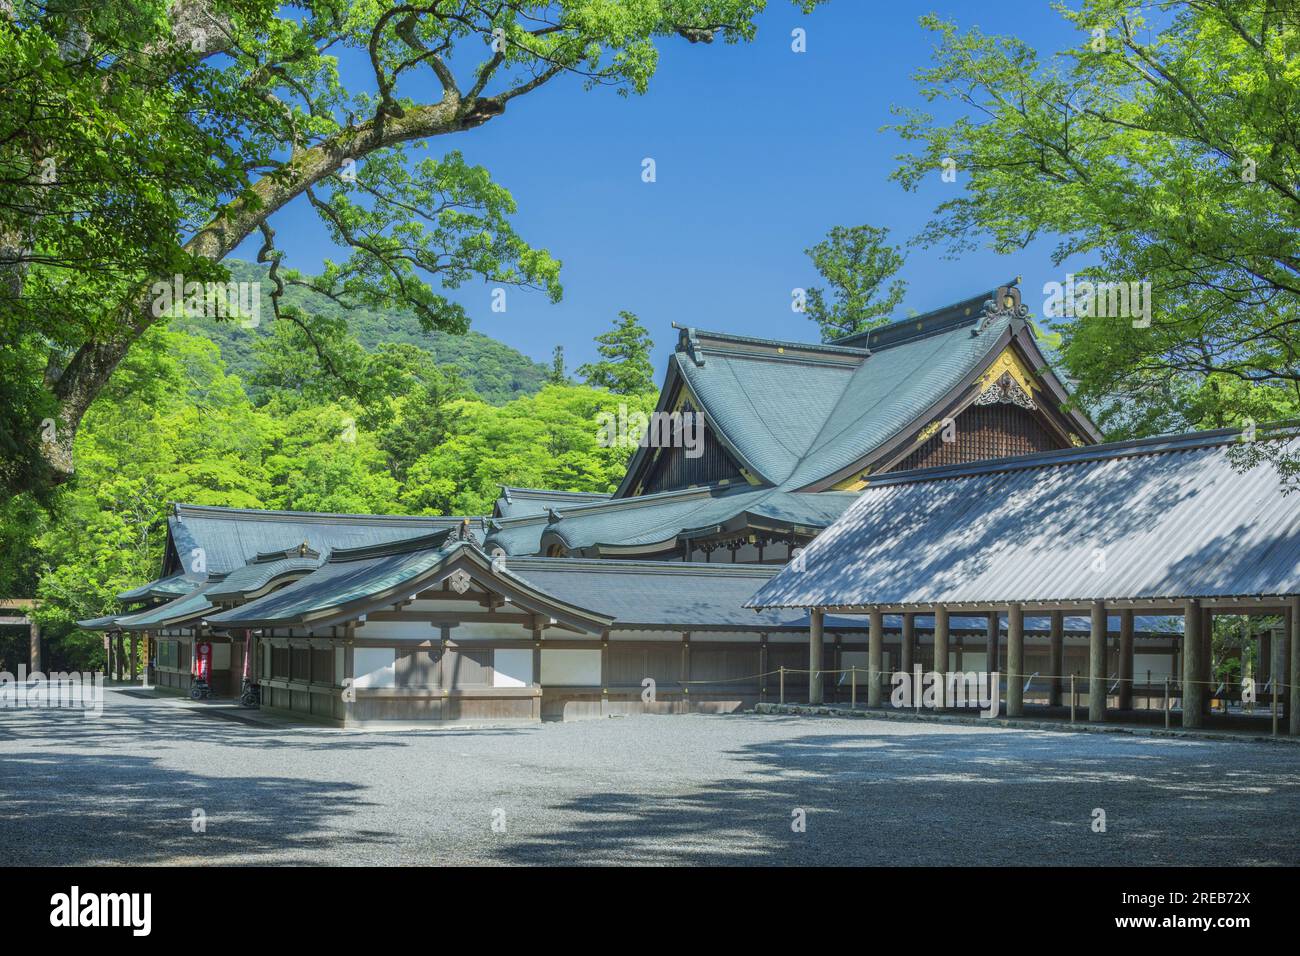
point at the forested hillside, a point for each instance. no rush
(494, 371)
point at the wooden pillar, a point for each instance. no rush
(34, 648)
(907, 653)
(991, 662)
(118, 659)
(1193, 649)
(135, 657)
(1293, 696)
(686, 668)
(762, 667)
(875, 660)
(1097, 664)
(941, 652)
(815, 657)
(1015, 661)
(1056, 654)
(1126, 660)
(1264, 669)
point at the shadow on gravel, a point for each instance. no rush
(944, 799)
(70, 809)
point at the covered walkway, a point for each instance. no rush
(1164, 527)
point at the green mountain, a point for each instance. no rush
(496, 372)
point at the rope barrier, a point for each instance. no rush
(865, 672)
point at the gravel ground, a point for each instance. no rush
(655, 790)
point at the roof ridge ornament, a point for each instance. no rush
(689, 342)
(1005, 304)
(553, 515)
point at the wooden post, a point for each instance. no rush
(121, 654)
(853, 686)
(991, 662)
(762, 667)
(1166, 703)
(941, 653)
(1097, 664)
(1056, 662)
(907, 652)
(1015, 661)
(34, 644)
(1074, 698)
(1126, 660)
(1293, 701)
(875, 659)
(1193, 647)
(815, 657)
(135, 656)
(782, 698)
(686, 669)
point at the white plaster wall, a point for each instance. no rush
(512, 667)
(398, 630)
(571, 668)
(374, 666)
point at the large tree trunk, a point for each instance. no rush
(80, 381)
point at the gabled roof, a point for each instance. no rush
(229, 536)
(354, 581)
(796, 416)
(1155, 519)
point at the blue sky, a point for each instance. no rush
(759, 151)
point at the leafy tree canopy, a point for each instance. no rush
(146, 139)
(625, 367)
(1160, 152)
(857, 265)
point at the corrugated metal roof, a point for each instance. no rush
(1165, 518)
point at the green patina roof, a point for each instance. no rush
(230, 536)
(348, 575)
(173, 612)
(174, 585)
(258, 574)
(652, 519)
(516, 502)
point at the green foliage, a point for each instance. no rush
(547, 440)
(175, 425)
(494, 371)
(146, 139)
(856, 263)
(557, 375)
(625, 367)
(1160, 152)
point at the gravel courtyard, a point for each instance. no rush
(653, 790)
